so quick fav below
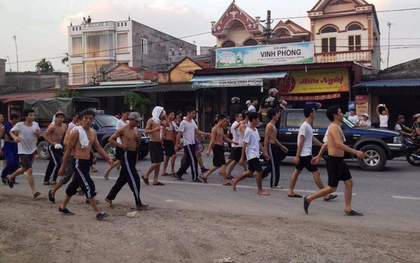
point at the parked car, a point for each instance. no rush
(379, 145)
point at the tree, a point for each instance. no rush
(65, 93)
(137, 102)
(65, 59)
(44, 66)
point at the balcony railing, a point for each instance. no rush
(359, 55)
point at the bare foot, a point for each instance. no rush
(106, 175)
(234, 184)
(109, 202)
(142, 207)
(262, 192)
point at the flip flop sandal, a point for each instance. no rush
(227, 184)
(165, 174)
(353, 213)
(158, 183)
(229, 177)
(36, 194)
(295, 196)
(145, 180)
(331, 197)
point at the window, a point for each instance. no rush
(228, 44)
(329, 45)
(77, 74)
(122, 43)
(97, 44)
(355, 43)
(294, 119)
(328, 29)
(250, 42)
(354, 27)
(76, 44)
(144, 46)
(321, 121)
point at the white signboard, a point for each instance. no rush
(254, 56)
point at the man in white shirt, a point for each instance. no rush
(188, 129)
(383, 115)
(125, 112)
(26, 135)
(303, 157)
(253, 106)
(251, 148)
(238, 131)
(353, 117)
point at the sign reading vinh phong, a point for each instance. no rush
(254, 56)
(314, 81)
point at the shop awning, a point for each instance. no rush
(167, 88)
(234, 80)
(393, 83)
(22, 97)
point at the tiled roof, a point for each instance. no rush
(389, 83)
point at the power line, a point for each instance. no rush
(204, 33)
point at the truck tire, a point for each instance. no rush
(43, 150)
(110, 149)
(376, 158)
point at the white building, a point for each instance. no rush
(97, 47)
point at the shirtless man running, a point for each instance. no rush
(54, 135)
(168, 137)
(272, 144)
(129, 141)
(81, 140)
(336, 167)
(153, 128)
(216, 144)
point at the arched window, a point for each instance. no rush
(328, 29)
(251, 42)
(282, 32)
(354, 27)
(228, 44)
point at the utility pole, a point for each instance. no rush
(17, 60)
(267, 34)
(389, 43)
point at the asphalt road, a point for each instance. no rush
(389, 199)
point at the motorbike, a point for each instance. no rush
(412, 149)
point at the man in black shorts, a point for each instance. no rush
(304, 154)
(216, 144)
(251, 148)
(153, 128)
(336, 167)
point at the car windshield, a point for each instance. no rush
(348, 123)
(106, 120)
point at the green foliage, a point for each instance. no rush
(65, 93)
(137, 102)
(44, 66)
(65, 59)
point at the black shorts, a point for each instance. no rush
(169, 147)
(305, 162)
(232, 153)
(119, 153)
(254, 165)
(238, 154)
(218, 156)
(2, 156)
(337, 171)
(26, 160)
(156, 152)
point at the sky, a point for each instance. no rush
(40, 26)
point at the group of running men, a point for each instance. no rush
(72, 154)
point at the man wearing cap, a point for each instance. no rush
(365, 122)
(401, 128)
(54, 136)
(129, 139)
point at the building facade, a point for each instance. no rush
(95, 48)
(341, 30)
